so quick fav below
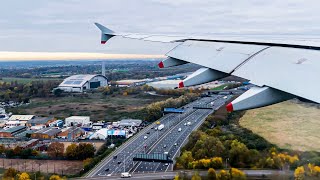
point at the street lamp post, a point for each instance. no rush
(227, 159)
(124, 162)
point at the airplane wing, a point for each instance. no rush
(282, 69)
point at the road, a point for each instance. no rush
(173, 140)
(167, 140)
(171, 174)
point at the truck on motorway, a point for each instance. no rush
(160, 127)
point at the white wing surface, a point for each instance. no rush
(281, 68)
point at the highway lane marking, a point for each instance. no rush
(193, 114)
(196, 127)
(136, 137)
(107, 159)
(165, 134)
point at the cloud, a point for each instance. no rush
(67, 25)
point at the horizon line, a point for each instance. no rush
(36, 56)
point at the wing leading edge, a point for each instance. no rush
(281, 69)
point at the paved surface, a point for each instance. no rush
(169, 139)
(171, 174)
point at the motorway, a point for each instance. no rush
(254, 174)
(169, 139)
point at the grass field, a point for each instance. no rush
(98, 107)
(218, 88)
(26, 80)
(289, 125)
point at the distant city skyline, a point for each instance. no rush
(67, 25)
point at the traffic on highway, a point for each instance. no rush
(167, 137)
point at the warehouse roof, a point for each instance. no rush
(48, 131)
(40, 120)
(130, 122)
(78, 117)
(21, 117)
(78, 80)
(14, 129)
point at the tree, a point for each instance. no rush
(9, 153)
(2, 149)
(24, 176)
(313, 170)
(17, 151)
(56, 149)
(236, 174)
(85, 150)
(185, 159)
(238, 154)
(10, 173)
(176, 177)
(71, 151)
(87, 162)
(223, 175)
(299, 173)
(196, 176)
(57, 92)
(55, 177)
(212, 174)
(25, 153)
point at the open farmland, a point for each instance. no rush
(26, 80)
(97, 106)
(289, 125)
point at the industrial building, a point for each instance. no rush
(40, 121)
(19, 120)
(12, 131)
(83, 82)
(130, 122)
(70, 133)
(46, 133)
(104, 133)
(77, 120)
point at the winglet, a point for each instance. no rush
(104, 29)
(106, 33)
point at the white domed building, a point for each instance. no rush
(83, 82)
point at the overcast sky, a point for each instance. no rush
(67, 25)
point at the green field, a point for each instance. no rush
(26, 80)
(218, 88)
(288, 125)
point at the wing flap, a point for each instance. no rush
(292, 70)
(224, 57)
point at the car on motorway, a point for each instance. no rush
(145, 137)
(179, 129)
(166, 164)
(164, 146)
(125, 175)
(107, 169)
(185, 124)
(189, 123)
(115, 157)
(119, 162)
(109, 175)
(176, 144)
(148, 132)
